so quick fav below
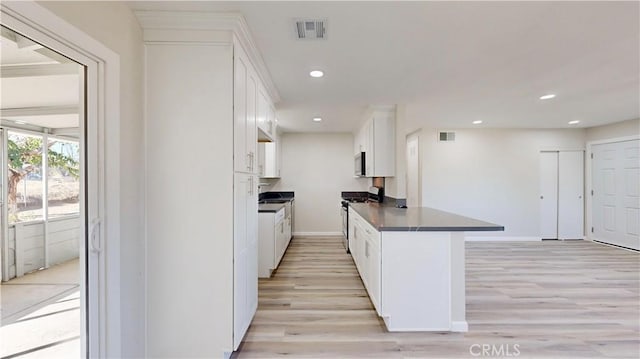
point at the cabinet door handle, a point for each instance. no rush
(366, 249)
(249, 161)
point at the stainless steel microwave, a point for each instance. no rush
(360, 165)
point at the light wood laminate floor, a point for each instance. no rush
(546, 299)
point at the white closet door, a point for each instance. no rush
(549, 195)
(616, 193)
(570, 195)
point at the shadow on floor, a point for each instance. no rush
(41, 314)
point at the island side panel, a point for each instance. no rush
(266, 244)
(458, 284)
(416, 281)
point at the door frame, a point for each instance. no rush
(100, 249)
(588, 170)
(409, 136)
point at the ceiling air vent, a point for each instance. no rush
(309, 29)
(447, 136)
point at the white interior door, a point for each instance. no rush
(570, 195)
(616, 193)
(549, 195)
(414, 197)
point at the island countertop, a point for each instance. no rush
(416, 219)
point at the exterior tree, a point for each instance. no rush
(25, 157)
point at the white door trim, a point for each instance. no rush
(102, 161)
(589, 179)
(4, 226)
(415, 134)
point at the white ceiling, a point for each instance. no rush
(38, 87)
(455, 61)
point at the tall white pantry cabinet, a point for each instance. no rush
(202, 78)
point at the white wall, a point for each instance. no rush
(114, 25)
(614, 130)
(318, 166)
(492, 175)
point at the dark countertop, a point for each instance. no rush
(270, 203)
(277, 195)
(414, 219)
(270, 207)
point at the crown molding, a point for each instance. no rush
(211, 21)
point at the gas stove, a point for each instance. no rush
(374, 195)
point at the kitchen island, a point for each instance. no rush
(412, 263)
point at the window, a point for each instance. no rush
(26, 192)
(63, 178)
(24, 177)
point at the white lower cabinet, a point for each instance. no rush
(245, 254)
(364, 244)
(274, 238)
(415, 280)
(372, 254)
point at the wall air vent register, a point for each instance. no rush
(311, 29)
(447, 136)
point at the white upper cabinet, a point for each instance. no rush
(266, 118)
(269, 158)
(376, 139)
(244, 114)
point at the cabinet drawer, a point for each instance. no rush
(279, 215)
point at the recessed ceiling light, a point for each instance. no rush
(574, 122)
(548, 96)
(317, 119)
(477, 122)
(316, 73)
(20, 122)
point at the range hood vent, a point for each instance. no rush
(311, 29)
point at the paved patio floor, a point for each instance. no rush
(41, 314)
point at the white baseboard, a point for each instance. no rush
(317, 234)
(501, 239)
(459, 327)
